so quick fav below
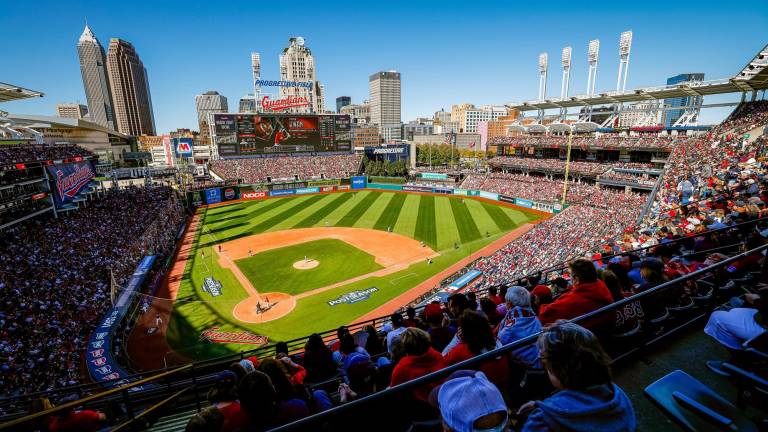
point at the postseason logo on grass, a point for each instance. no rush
(353, 297)
(212, 286)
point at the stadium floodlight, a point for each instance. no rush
(543, 62)
(625, 43)
(566, 57)
(594, 50)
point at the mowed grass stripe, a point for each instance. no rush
(426, 229)
(285, 214)
(483, 221)
(369, 218)
(327, 209)
(406, 223)
(259, 207)
(447, 233)
(467, 229)
(519, 217)
(299, 215)
(503, 221)
(357, 211)
(390, 214)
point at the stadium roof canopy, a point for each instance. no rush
(10, 92)
(38, 121)
(753, 77)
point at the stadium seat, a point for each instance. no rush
(694, 406)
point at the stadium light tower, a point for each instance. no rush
(593, 53)
(625, 45)
(543, 65)
(566, 60)
(256, 70)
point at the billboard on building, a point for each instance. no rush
(183, 147)
(391, 153)
(263, 134)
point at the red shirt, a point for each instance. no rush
(411, 367)
(497, 370)
(235, 419)
(582, 298)
(76, 421)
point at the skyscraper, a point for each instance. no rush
(247, 104)
(341, 102)
(672, 116)
(207, 103)
(256, 74)
(130, 89)
(93, 67)
(384, 90)
(297, 64)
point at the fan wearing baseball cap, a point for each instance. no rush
(587, 399)
(468, 402)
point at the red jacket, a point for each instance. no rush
(497, 369)
(582, 298)
(411, 367)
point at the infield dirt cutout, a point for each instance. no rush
(392, 251)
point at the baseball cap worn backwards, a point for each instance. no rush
(465, 397)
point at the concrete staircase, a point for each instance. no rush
(173, 423)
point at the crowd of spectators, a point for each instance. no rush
(55, 280)
(599, 141)
(629, 177)
(549, 165)
(257, 170)
(27, 153)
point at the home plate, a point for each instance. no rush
(306, 264)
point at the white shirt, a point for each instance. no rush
(392, 335)
(734, 327)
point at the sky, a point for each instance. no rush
(481, 52)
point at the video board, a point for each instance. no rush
(257, 134)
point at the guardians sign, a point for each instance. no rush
(236, 337)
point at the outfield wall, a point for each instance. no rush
(229, 194)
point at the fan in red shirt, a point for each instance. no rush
(420, 359)
(588, 293)
(476, 337)
(77, 421)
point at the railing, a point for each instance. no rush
(336, 412)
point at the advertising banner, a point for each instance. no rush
(212, 196)
(67, 180)
(524, 202)
(327, 188)
(342, 187)
(488, 195)
(447, 191)
(234, 337)
(102, 366)
(434, 176)
(252, 195)
(506, 199)
(304, 191)
(417, 188)
(183, 147)
(329, 182)
(267, 134)
(464, 280)
(282, 192)
(461, 192)
(230, 193)
(359, 182)
(391, 153)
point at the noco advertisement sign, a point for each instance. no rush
(262, 134)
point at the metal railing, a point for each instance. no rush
(475, 361)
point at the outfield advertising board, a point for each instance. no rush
(212, 196)
(309, 190)
(282, 192)
(249, 195)
(524, 202)
(359, 182)
(434, 176)
(417, 188)
(506, 199)
(230, 193)
(488, 195)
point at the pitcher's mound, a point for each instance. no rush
(306, 264)
(273, 305)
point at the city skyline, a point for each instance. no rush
(440, 66)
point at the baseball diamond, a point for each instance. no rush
(397, 242)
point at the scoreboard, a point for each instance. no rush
(257, 134)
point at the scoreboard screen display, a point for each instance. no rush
(257, 134)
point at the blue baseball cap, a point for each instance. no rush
(465, 397)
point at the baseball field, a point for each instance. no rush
(286, 267)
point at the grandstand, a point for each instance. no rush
(655, 253)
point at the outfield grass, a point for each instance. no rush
(272, 270)
(442, 222)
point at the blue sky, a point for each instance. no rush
(480, 52)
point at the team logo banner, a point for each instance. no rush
(69, 179)
(353, 297)
(212, 286)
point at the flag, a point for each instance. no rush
(472, 144)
